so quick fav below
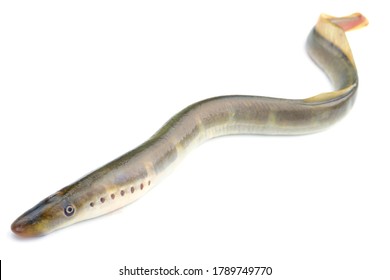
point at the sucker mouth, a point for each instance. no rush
(28, 225)
(20, 229)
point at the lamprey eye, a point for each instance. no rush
(69, 210)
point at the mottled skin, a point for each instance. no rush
(125, 179)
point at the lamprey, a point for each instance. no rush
(130, 176)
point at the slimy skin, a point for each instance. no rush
(130, 176)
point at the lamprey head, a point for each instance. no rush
(54, 212)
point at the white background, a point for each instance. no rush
(82, 82)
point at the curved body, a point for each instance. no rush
(125, 179)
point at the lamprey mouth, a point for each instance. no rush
(24, 228)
